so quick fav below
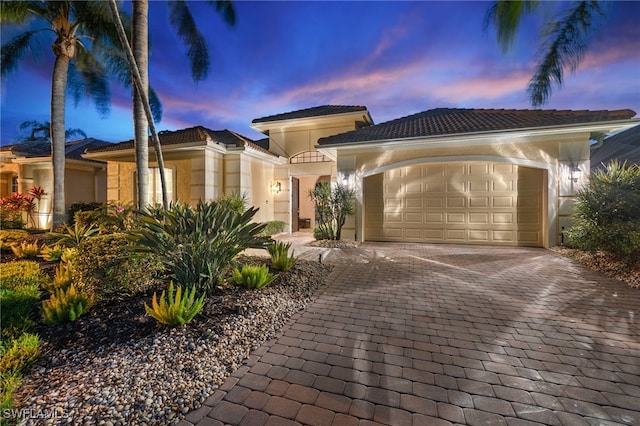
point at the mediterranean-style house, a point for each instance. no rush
(446, 175)
(27, 164)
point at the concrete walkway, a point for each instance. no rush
(418, 334)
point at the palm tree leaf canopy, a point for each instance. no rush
(198, 53)
(567, 41)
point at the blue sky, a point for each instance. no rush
(396, 58)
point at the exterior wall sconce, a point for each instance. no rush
(276, 187)
(575, 173)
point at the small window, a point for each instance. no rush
(14, 184)
(309, 157)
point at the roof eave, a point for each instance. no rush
(265, 126)
(495, 136)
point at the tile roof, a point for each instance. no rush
(449, 121)
(42, 148)
(317, 111)
(191, 135)
(623, 146)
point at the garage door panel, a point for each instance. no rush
(456, 235)
(479, 218)
(414, 203)
(433, 218)
(479, 235)
(472, 202)
(456, 202)
(413, 218)
(478, 202)
(502, 201)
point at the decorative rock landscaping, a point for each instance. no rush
(117, 366)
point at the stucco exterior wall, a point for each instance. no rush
(291, 141)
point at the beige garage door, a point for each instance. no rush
(472, 202)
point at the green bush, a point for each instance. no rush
(273, 227)
(52, 253)
(607, 213)
(66, 305)
(253, 276)
(196, 244)
(333, 205)
(10, 236)
(20, 274)
(280, 258)
(175, 309)
(324, 232)
(20, 354)
(106, 267)
(26, 250)
(72, 236)
(19, 292)
(80, 208)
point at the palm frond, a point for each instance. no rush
(14, 12)
(506, 16)
(94, 82)
(198, 53)
(155, 104)
(13, 51)
(568, 40)
(74, 132)
(226, 9)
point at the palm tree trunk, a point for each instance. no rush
(135, 74)
(140, 43)
(58, 92)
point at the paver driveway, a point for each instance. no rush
(437, 334)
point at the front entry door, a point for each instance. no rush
(295, 204)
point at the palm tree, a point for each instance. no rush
(73, 23)
(198, 53)
(41, 131)
(565, 39)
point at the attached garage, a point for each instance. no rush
(461, 202)
(469, 176)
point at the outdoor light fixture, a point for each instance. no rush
(574, 175)
(276, 187)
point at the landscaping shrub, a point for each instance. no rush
(72, 236)
(19, 354)
(20, 274)
(106, 267)
(196, 244)
(176, 308)
(251, 276)
(607, 213)
(81, 207)
(26, 250)
(62, 279)
(52, 253)
(333, 206)
(280, 258)
(273, 227)
(10, 236)
(66, 305)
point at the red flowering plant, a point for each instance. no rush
(11, 209)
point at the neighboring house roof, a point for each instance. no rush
(317, 111)
(449, 121)
(623, 146)
(225, 137)
(42, 148)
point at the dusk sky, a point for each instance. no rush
(395, 58)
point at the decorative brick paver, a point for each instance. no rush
(425, 334)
